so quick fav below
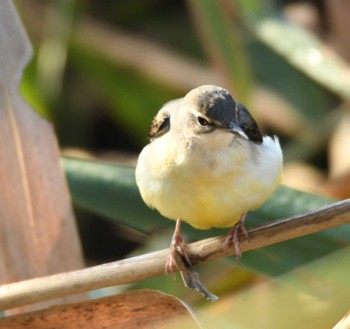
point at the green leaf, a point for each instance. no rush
(306, 53)
(298, 46)
(111, 191)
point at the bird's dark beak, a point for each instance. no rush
(235, 129)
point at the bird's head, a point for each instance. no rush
(206, 111)
(212, 109)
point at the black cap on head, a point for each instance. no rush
(222, 111)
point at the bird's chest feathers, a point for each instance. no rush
(208, 166)
(200, 185)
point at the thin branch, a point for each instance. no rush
(152, 264)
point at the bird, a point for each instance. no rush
(207, 164)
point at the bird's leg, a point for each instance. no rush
(177, 243)
(232, 237)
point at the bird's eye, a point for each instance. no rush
(202, 122)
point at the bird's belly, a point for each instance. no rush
(206, 201)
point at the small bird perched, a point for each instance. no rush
(207, 164)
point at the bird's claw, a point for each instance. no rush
(232, 238)
(177, 246)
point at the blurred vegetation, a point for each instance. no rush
(101, 70)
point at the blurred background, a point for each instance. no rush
(102, 69)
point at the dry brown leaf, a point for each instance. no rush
(339, 187)
(37, 231)
(308, 178)
(144, 309)
(286, 120)
(338, 24)
(303, 176)
(339, 150)
(304, 14)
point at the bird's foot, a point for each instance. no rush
(232, 238)
(177, 246)
(178, 259)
